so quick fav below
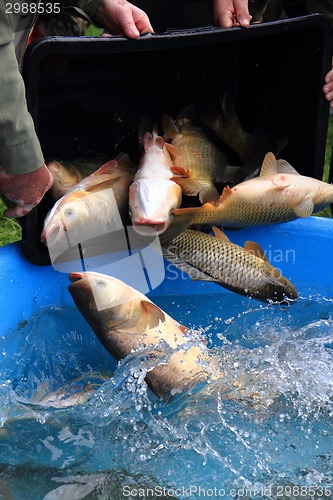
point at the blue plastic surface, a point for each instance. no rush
(301, 249)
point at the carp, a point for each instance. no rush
(242, 270)
(153, 194)
(66, 174)
(250, 147)
(125, 320)
(198, 163)
(89, 208)
(278, 195)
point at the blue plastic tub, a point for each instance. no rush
(270, 434)
(302, 249)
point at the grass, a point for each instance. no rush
(10, 229)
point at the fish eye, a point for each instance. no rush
(69, 213)
(100, 283)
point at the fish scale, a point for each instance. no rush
(239, 215)
(229, 265)
(278, 195)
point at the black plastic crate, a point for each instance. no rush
(88, 95)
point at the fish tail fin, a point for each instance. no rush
(152, 139)
(224, 123)
(146, 123)
(213, 120)
(228, 112)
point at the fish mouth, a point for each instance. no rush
(147, 228)
(75, 276)
(50, 235)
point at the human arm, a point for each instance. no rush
(229, 13)
(23, 178)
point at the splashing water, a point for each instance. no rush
(265, 424)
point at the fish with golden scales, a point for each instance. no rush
(127, 323)
(125, 320)
(278, 195)
(153, 194)
(66, 174)
(91, 204)
(245, 271)
(251, 147)
(198, 163)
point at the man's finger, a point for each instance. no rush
(242, 13)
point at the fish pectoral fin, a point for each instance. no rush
(283, 167)
(255, 249)
(220, 234)
(192, 187)
(269, 167)
(194, 273)
(106, 168)
(154, 313)
(180, 172)
(305, 208)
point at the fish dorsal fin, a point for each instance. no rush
(305, 208)
(189, 112)
(183, 329)
(220, 234)
(106, 168)
(154, 313)
(255, 249)
(269, 167)
(169, 127)
(56, 165)
(94, 188)
(72, 196)
(284, 167)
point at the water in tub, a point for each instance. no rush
(263, 431)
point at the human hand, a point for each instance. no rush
(120, 17)
(229, 13)
(25, 190)
(328, 87)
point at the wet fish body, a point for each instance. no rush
(91, 206)
(125, 320)
(66, 174)
(278, 195)
(243, 270)
(198, 162)
(251, 147)
(71, 395)
(153, 194)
